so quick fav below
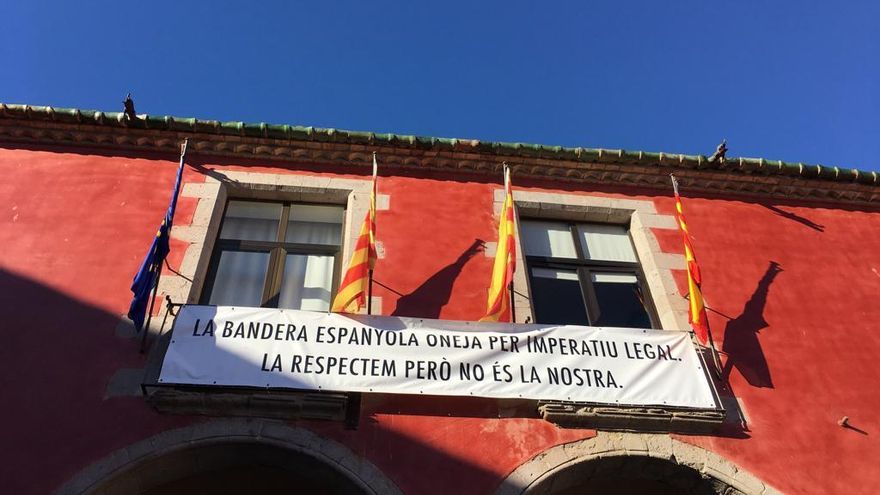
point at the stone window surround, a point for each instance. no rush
(639, 215)
(212, 195)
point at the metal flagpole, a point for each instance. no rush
(506, 169)
(353, 406)
(372, 227)
(146, 328)
(370, 293)
(512, 307)
(715, 356)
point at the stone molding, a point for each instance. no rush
(267, 432)
(549, 468)
(631, 418)
(640, 216)
(201, 232)
(226, 402)
(736, 176)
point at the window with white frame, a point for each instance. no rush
(585, 274)
(276, 254)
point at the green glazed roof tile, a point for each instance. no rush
(274, 131)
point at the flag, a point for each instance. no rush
(148, 274)
(352, 293)
(498, 306)
(697, 311)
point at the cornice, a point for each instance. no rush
(149, 134)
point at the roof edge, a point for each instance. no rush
(44, 125)
(289, 132)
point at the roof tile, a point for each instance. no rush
(284, 132)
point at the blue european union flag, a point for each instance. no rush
(148, 275)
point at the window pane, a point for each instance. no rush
(251, 221)
(239, 279)
(620, 301)
(606, 242)
(311, 224)
(552, 239)
(308, 280)
(615, 278)
(556, 295)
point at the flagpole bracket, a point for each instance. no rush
(170, 305)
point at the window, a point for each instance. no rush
(584, 274)
(283, 255)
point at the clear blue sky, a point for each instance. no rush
(798, 81)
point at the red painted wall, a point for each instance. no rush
(74, 226)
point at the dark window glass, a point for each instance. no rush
(584, 274)
(619, 301)
(556, 295)
(276, 255)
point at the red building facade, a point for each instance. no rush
(790, 254)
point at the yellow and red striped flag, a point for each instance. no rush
(697, 312)
(352, 293)
(498, 307)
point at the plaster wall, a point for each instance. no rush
(792, 288)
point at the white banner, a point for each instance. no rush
(260, 347)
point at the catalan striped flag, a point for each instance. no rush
(354, 289)
(697, 313)
(498, 306)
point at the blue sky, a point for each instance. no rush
(797, 81)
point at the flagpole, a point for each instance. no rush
(512, 307)
(146, 328)
(353, 406)
(506, 170)
(155, 291)
(504, 264)
(715, 356)
(373, 222)
(370, 292)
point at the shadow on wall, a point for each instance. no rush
(49, 334)
(797, 218)
(58, 354)
(428, 299)
(741, 335)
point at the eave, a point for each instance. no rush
(48, 126)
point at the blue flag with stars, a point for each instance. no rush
(148, 275)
